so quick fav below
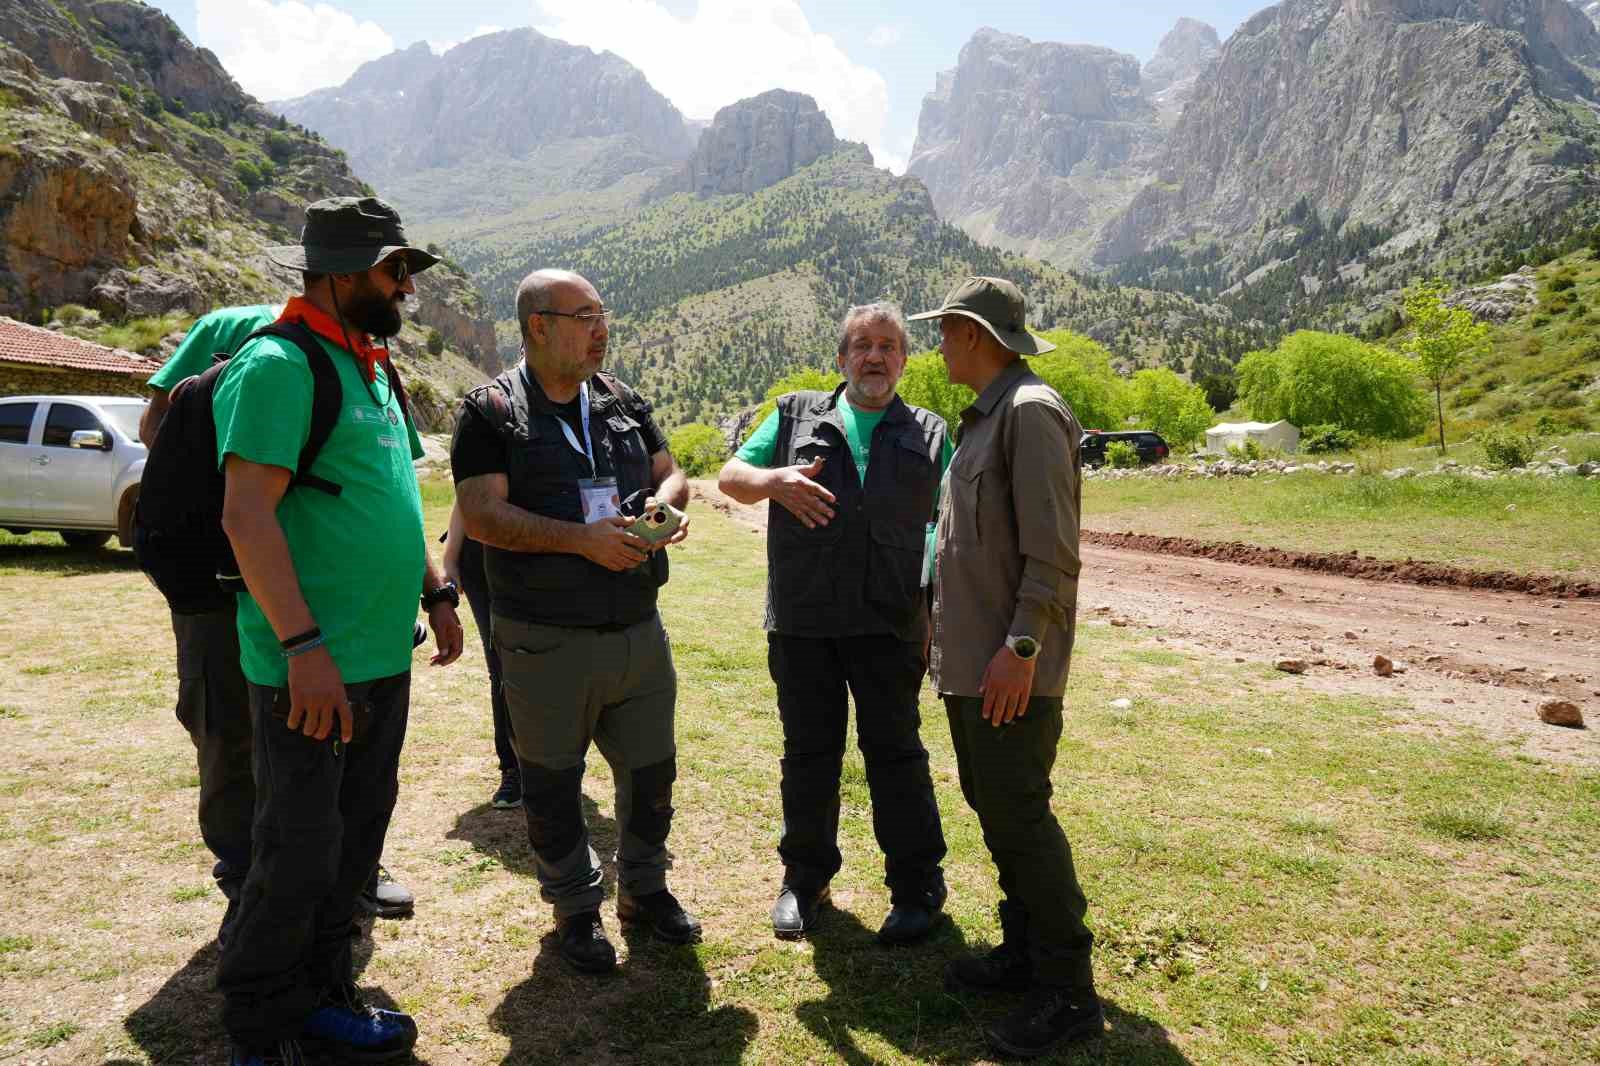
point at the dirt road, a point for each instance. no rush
(1469, 659)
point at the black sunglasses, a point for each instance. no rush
(400, 268)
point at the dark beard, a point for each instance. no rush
(369, 312)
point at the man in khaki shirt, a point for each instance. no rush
(1005, 596)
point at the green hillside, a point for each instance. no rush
(1542, 369)
(719, 297)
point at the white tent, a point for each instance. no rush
(1280, 435)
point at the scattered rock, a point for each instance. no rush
(1440, 659)
(1383, 666)
(1562, 713)
(1316, 647)
(1120, 623)
(1291, 666)
(1122, 704)
(1350, 634)
(1458, 622)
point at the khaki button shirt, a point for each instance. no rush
(1006, 559)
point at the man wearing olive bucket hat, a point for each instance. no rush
(333, 559)
(1005, 595)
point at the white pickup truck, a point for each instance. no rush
(71, 465)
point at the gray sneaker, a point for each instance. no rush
(384, 897)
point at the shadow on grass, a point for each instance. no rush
(503, 835)
(898, 995)
(656, 1008)
(182, 1024)
(58, 560)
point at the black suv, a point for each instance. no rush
(1151, 448)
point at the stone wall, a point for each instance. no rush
(25, 381)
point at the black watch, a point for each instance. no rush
(445, 593)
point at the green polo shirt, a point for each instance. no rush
(223, 330)
(359, 556)
(762, 447)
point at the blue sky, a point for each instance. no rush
(868, 65)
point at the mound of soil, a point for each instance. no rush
(1350, 564)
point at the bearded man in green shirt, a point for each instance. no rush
(853, 479)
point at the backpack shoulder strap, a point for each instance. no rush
(327, 398)
(632, 404)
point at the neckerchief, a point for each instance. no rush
(299, 309)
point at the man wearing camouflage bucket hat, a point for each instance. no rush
(333, 559)
(1005, 596)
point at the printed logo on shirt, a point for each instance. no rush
(376, 416)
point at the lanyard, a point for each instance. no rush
(586, 449)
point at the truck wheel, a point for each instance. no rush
(85, 541)
(125, 512)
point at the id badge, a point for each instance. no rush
(600, 500)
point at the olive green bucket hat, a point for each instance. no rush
(349, 234)
(999, 307)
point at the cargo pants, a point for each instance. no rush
(615, 687)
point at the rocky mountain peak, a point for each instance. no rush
(501, 95)
(758, 142)
(1030, 145)
(1590, 8)
(1183, 53)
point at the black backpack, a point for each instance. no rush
(177, 534)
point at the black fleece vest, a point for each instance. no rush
(543, 470)
(861, 574)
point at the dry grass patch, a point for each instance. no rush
(1274, 875)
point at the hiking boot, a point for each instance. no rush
(584, 944)
(345, 1027)
(913, 917)
(509, 795)
(796, 913)
(283, 1053)
(1050, 1017)
(385, 897)
(662, 912)
(1006, 968)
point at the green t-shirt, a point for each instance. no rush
(223, 330)
(762, 447)
(359, 556)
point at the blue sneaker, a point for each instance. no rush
(283, 1053)
(345, 1026)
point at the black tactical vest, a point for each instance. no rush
(543, 470)
(861, 574)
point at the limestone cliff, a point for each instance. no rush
(1184, 53)
(505, 94)
(1400, 114)
(1033, 145)
(756, 143)
(136, 178)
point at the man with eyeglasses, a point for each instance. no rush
(333, 572)
(553, 463)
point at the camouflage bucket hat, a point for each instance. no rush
(999, 307)
(349, 234)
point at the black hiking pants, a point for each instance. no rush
(322, 809)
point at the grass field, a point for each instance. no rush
(1514, 523)
(1274, 875)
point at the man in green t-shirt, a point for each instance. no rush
(213, 705)
(325, 633)
(853, 479)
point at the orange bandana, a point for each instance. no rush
(299, 309)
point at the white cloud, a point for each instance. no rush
(277, 49)
(441, 47)
(884, 36)
(728, 50)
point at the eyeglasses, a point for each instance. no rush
(588, 318)
(400, 269)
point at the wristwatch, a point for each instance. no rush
(445, 593)
(1024, 648)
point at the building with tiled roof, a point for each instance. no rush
(34, 360)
